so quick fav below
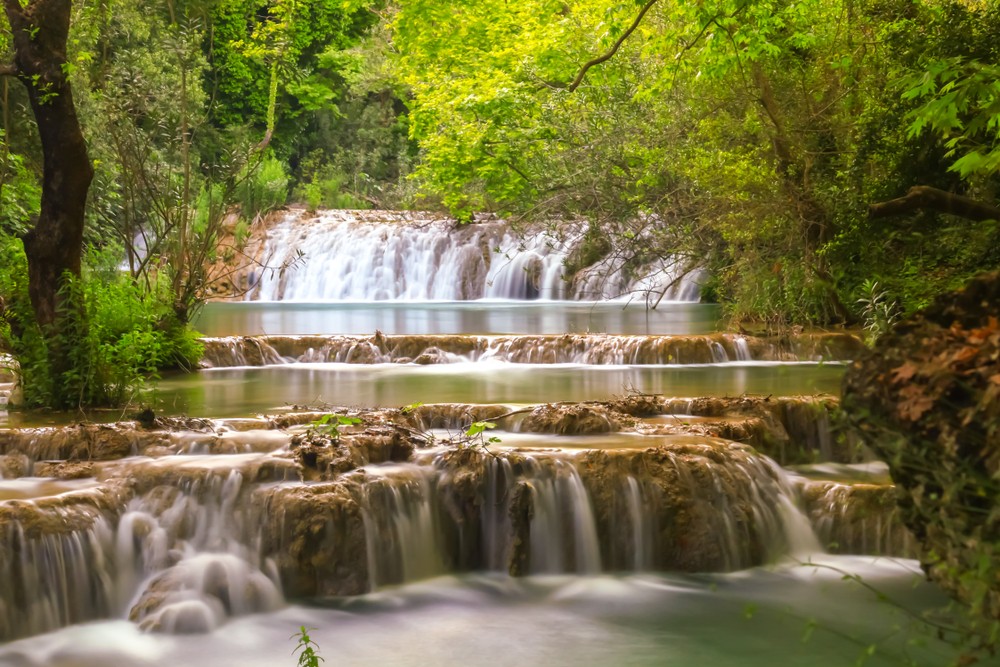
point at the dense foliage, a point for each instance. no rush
(200, 116)
(757, 133)
(927, 400)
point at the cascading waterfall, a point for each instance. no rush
(176, 558)
(383, 255)
(194, 539)
(589, 349)
(401, 522)
(563, 533)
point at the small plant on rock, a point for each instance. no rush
(330, 425)
(878, 312)
(475, 435)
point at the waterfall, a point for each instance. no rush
(177, 557)
(386, 255)
(563, 533)
(401, 525)
(189, 541)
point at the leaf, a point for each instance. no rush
(914, 403)
(904, 373)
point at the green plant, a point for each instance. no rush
(878, 312)
(407, 409)
(263, 188)
(306, 648)
(118, 336)
(329, 425)
(475, 435)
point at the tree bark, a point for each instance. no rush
(923, 197)
(54, 245)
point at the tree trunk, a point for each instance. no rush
(55, 245)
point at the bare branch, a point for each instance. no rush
(8, 69)
(607, 55)
(925, 197)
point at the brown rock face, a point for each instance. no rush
(573, 419)
(927, 400)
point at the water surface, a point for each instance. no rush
(227, 392)
(456, 317)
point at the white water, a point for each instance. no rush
(382, 255)
(757, 618)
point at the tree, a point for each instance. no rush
(54, 245)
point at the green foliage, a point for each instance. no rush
(756, 132)
(878, 311)
(475, 435)
(306, 648)
(120, 337)
(20, 192)
(263, 187)
(960, 103)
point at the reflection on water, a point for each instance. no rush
(231, 392)
(456, 317)
(789, 615)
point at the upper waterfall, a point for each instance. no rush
(342, 255)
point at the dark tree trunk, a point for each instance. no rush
(55, 245)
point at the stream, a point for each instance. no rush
(615, 520)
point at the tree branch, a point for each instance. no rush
(925, 197)
(8, 69)
(607, 55)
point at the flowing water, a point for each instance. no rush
(583, 537)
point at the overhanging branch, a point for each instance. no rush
(923, 197)
(607, 55)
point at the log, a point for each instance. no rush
(924, 197)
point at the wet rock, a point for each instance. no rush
(640, 405)
(431, 355)
(65, 469)
(451, 416)
(14, 465)
(793, 429)
(325, 455)
(89, 442)
(316, 536)
(573, 419)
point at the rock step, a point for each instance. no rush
(603, 349)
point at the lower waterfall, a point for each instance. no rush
(194, 539)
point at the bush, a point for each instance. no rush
(326, 187)
(120, 335)
(263, 187)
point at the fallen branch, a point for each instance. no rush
(923, 197)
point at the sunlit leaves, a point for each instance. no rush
(960, 103)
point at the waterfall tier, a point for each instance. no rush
(593, 349)
(184, 525)
(388, 255)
